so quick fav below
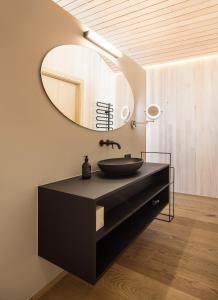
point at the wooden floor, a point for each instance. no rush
(175, 261)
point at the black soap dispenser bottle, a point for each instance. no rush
(86, 168)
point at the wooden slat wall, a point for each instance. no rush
(188, 127)
(152, 31)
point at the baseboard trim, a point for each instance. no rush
(48, 286)
(193, 196)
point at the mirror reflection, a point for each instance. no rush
(87, 88)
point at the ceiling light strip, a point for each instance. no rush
(166, 59)
(169, 58)
(102, 43)
(181, 61)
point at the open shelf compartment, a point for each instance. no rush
(120, 213)
(113, 243)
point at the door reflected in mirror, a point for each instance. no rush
(87, 88)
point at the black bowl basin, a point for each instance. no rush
(116, 167)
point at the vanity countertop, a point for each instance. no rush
(99, 185)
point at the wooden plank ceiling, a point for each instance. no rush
(152, 31)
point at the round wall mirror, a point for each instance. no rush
(86, 87)
(153, 111)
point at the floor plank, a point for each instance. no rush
(168, 261)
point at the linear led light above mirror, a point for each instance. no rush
(102, 43)
(180, 61)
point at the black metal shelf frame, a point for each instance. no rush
(171, 206)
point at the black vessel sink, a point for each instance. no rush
(123, 166)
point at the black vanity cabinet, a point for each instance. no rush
(67, 233)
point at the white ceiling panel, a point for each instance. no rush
(152, 31)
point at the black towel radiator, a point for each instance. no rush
(104, 115)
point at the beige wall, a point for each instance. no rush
(188, 94)
(38, 144)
